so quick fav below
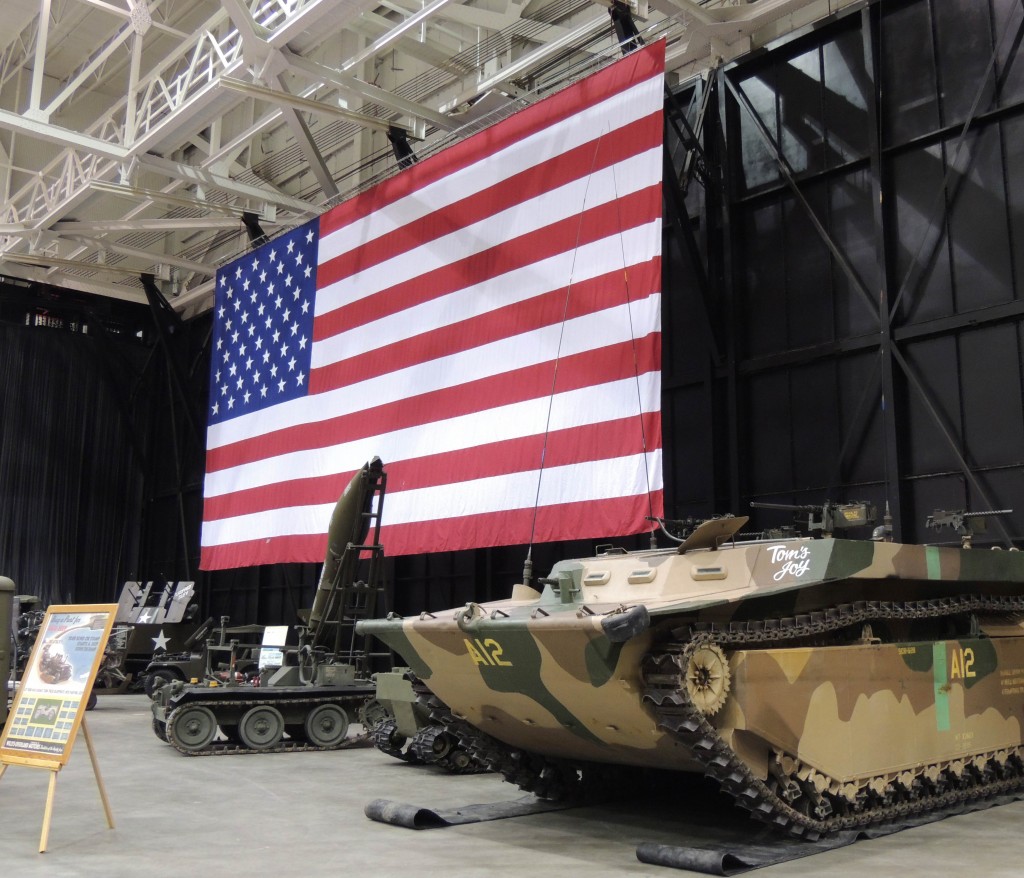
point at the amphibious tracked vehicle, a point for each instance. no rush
(826, 683)
(310, 701)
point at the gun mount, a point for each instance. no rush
(830, 516)
(966, 524)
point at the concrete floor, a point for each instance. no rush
(301, 814)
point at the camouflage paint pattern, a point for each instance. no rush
(856, 711)
(539, 672)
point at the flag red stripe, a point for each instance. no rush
(599, 366)
(557, 108)
(591, 442)
(560, 237)
(584, 160)
(586, 297)
(593, 519)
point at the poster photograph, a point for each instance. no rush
(52, 695)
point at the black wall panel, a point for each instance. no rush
(872, 200)
(920, 278)
(906, 52)
(852, 227)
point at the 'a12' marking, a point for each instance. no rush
(961, 663)
(486, 652)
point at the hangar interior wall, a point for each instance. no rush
(860, 222)
(842, 316)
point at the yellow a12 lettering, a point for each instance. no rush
(961, 663)
(486, 652)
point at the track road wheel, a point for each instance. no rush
(431, 743)
(707, 678)
(191, 727)
(388, 739)
(326, 725)
(261, 727)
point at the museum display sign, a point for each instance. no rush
(52, 695)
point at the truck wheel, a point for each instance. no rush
(191, 728)
(261, 727)
(326, 725)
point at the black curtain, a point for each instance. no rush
(70, 475)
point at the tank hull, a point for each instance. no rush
(837, 674)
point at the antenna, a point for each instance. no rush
(528, 567)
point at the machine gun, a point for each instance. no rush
(966, 524)
(830, 516)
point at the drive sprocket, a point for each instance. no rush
(708, 678)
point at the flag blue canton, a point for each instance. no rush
(263, 326)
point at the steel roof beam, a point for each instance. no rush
(356, 87)
(257, 52)
(61, 136)
(145, 255)
(503, 79)
(57, 278)
(193, 174)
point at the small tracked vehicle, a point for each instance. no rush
(826, 683)
(324, 686)
(408, 733)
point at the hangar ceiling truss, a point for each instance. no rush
(135, 133)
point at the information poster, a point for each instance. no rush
(272, 651)
(52, 695)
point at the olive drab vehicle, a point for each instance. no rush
(406, 730)
(324, 685)
(825, 683)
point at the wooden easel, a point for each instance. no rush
(54, 768)
(48, 710)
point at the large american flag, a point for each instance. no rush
(487, 322)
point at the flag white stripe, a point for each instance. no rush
(588, 405)
(588, 125)
(581, 482)
(603, 187)
(592, 260)
(585, 333)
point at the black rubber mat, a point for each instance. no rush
(733, 848)
(714, 837)
(738, 854)
(414, 817)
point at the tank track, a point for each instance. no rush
(221, 747)
(456, 757)
(885, 799)
(384, 740)
(546, 777)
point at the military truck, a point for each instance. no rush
(213, 652)
(826, 683)
(324, 684)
